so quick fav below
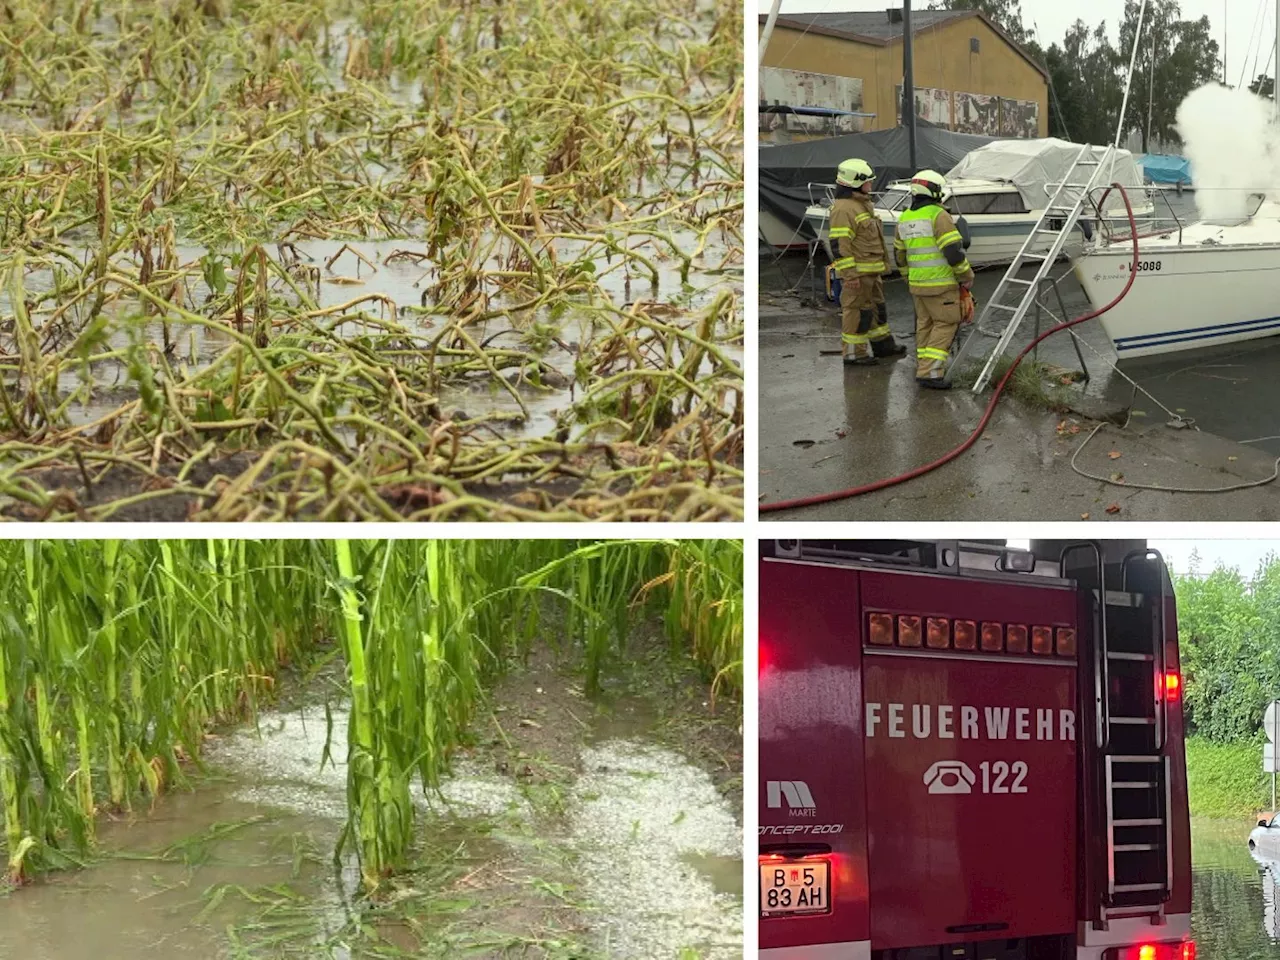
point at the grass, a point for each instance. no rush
(124, 654)
(1036, 385)
(1226, 780)
(254, 256)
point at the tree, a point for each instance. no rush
(1264, 86)
(1084, 72)
(1230, 653)
(1006, 13)
(1174, 58)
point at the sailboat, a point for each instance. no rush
(1204, 284)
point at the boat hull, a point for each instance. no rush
(1184, 298)
(994, 241)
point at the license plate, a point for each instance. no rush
(789, 888)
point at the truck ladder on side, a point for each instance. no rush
(1131, 732)
(1014, 297)
(1137, 771)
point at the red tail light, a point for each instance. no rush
(966, 635)
(1176, 950)
(1172, 690)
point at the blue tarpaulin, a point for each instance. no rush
(1161, 168)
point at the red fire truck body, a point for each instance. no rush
(963, 761)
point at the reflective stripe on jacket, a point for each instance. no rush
(921, 236)
(857, 237)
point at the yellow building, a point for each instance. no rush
(969, 75)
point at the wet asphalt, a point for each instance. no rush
(824, 426)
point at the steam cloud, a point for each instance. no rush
(1234, 149)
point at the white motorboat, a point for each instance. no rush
(1001, 190)
(1205, 284)
(1201, 285)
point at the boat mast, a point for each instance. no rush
(768, 29)
(909, 83)
(1133, 59)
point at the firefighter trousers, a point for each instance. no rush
(937, 320)
(864, 316)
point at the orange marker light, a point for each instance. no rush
(937, 633)
(1147, 952)
(992, 637)
(966, 635)
(1015, 638)
(1042, 639)
(909, 631)
(1172, 689)
(880, 632)
(1066, 642)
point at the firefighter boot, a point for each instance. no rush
(882, 342)
(857, 350)
(934, 374)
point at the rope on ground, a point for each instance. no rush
(1275, 472)
(1176, 417)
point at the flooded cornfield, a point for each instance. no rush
(395, 259)
(425, 792)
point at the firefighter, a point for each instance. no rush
(861, 262)
(930, 249)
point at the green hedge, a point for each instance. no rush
(1226, 780)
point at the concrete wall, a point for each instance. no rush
(943, 62)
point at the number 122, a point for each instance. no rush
(1000, 771)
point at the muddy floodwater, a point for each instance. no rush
(594, 837)
(1235, 907)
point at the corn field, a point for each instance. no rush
(118, 658)
(371, 259)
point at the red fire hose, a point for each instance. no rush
(991, 405)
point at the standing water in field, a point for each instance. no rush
(343, 260)
(636, 858)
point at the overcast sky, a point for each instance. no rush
(1051, 18)
(1244, 555)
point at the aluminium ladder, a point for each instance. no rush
(1131, 734)
(1014, 297)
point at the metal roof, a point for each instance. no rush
(874, 24)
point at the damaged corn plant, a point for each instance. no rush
(385, 259)
(118, 659)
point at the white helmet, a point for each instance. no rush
(928, 183)
(854, 173)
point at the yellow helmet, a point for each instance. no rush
(928, 183)
(854, 173)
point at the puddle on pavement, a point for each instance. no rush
(645, 844)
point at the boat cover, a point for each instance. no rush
(1161, 168)
(786, 170)
(1031, 165)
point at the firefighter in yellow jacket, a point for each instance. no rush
(861, 262)
(929, 248)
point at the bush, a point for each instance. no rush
(1226, 780)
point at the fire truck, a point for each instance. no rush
(970, 752)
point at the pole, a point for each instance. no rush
(768, 29)
(1275, 86)
(909, 83)
(1151, 93)
(1224, 42)
(1133, 60)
